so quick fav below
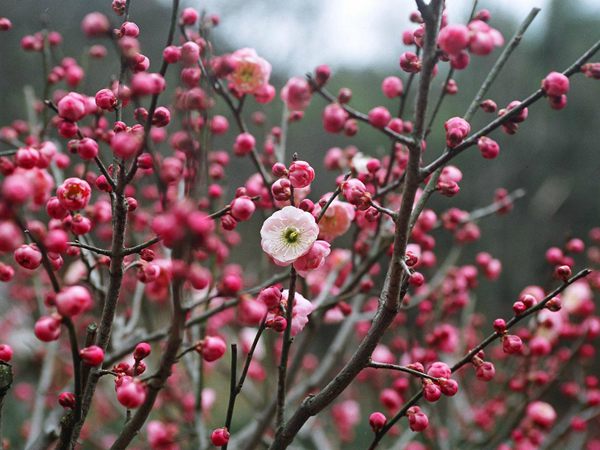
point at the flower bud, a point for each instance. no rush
(219, 437)
(92, 355)
(377, 421)
(301, 174)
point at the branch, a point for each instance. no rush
(395, 284)
(450, 154)
(158, 380)
(355, 114)
(482, 345)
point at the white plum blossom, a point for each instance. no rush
(288, 234)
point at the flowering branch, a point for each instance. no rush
(481, 346)
(356, 114)
(450, 154)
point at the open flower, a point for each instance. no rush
(337, 219)
(251, 71)
(288, 234)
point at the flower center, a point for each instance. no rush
(291, 235)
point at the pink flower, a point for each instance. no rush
(288, 234)
(251, 72)
(296, 94)
(542, 413)
(301, 174)
(301, 310)
(74, 194)
(336, 220)
(314, 259)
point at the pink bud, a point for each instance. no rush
(356, 193)
(334, 118)
(244, 143)
(242, 208)
(485, 371)
(453, 39)
(314, 259)
(219, 125)
(87, 148)
(172, 54)
(27, 157)
(457, 129)
(189, 16)
(56, 241)
(449, 387)
(71, 107)
(541, 413)
(6, 353)
(80, 225)
(322, 74)
(511, 344)
(126, 144)
(488, 147)
(489, 106)
(28, 256)
(74, 194)
(392, 87)
(379, 117)
(161, 117)
(92, 355)
(410, 62)
(144, 83)
(431, 391)
(142, 350)
(212, 348)
(73, 300)
(281, 189)
(190, 53)
(95, 25)
(130, 393)
(271, 297)
(377, 421)
(219, 437)
(417, 420)
(5, 24)
(66, 400)
(296, 94)
(439, 370)
(301, 174)
(555, 84)
(47, 328)
(198, 276)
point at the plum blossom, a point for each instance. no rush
(336, 221)
(288, 234)
(251, 71)
(314, 259)
(296, 94)
(301, 310)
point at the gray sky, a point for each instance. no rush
(357, 33)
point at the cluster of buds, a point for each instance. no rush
(241, 209)
(556, 86)
(511, 126)
(296, 179)
(441, 382)
(457, 129)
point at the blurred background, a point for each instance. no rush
(554, 157)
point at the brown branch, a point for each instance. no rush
(395, 284)
(482, 345)
(450, 154)
(355, 114)
(158, 380)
